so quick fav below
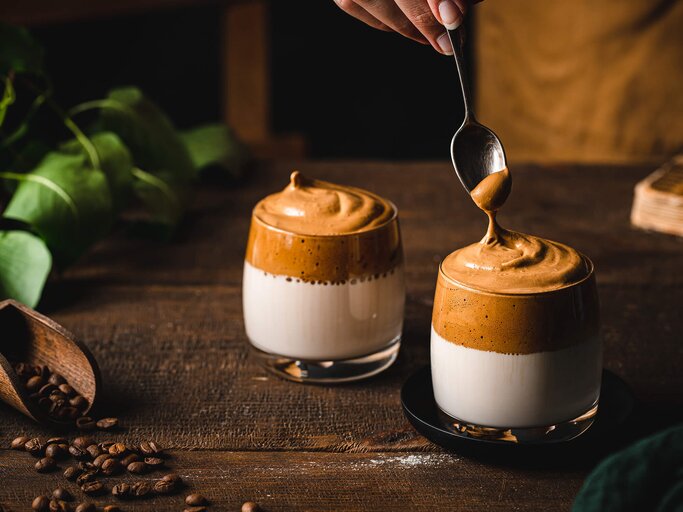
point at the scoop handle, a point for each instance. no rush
(458, 37)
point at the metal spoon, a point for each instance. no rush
(475, 150)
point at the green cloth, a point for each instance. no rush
(646, 476)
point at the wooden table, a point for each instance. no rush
(165, 323)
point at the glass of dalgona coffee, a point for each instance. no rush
(323, 287)
(515, 348)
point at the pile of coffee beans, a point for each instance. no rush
(95, 461)
(55, 395)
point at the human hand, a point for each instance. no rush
(420, 20)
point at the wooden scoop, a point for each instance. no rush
(27, 336)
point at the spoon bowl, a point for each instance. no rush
(476, 152)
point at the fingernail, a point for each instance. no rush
(450, 14)
(444, 43)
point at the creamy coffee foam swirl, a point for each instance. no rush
(509, 262)
(319, 232)
(314, 207)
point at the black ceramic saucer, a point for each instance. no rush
(616, 405)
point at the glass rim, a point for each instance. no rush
(590, 274)
(350, 234)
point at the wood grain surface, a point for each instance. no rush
(164, 322)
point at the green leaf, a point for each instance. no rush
(116, 162)
(25, 263)
(19, 52)
(66, 201)
(146, 131)
(215, 145)
(7, 99)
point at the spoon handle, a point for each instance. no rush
(457, 37)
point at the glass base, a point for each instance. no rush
(561, 432)
(329, 372)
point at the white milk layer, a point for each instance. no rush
(322, 322)
(515, 390)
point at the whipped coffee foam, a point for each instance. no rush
(506, 261)
(314, 207)
(320, 232)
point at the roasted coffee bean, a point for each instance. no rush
(41, 504)
(93, 487)
(82, 442)
(35, 383)
(137, 468)
(154, 461)
(94, 451)
(56, 379)
(44, 402)
(78, 453)
(86, 477)
(173, 478)
(58, 396)
(85, 423)
(56, 407)
(121, 490)
(195, 500)
(67, 390)
(59, 506)
(86, 507)
(72, 472)
(46, 390)
(86, 465)
(19, 443)
(140, 489)
(111, 467)
(45, 465)
(62, 494)
(150, 448)
(250, 506)
(111, 508)
(57, 440)
(35, 446)
(118, 449)
(99, 460)
(129, 459)
(108, 423)
(56, 451)
(164, 487)
(79, 402)
(195, 509)
(105, 445)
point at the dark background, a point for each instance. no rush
(351, 90)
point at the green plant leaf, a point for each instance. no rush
(146, 131)
(115, 161)
(215, 145)
(19, 52)
(66, 201)
(25, 263)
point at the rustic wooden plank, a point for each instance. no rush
(321, 481)
(165, 323)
